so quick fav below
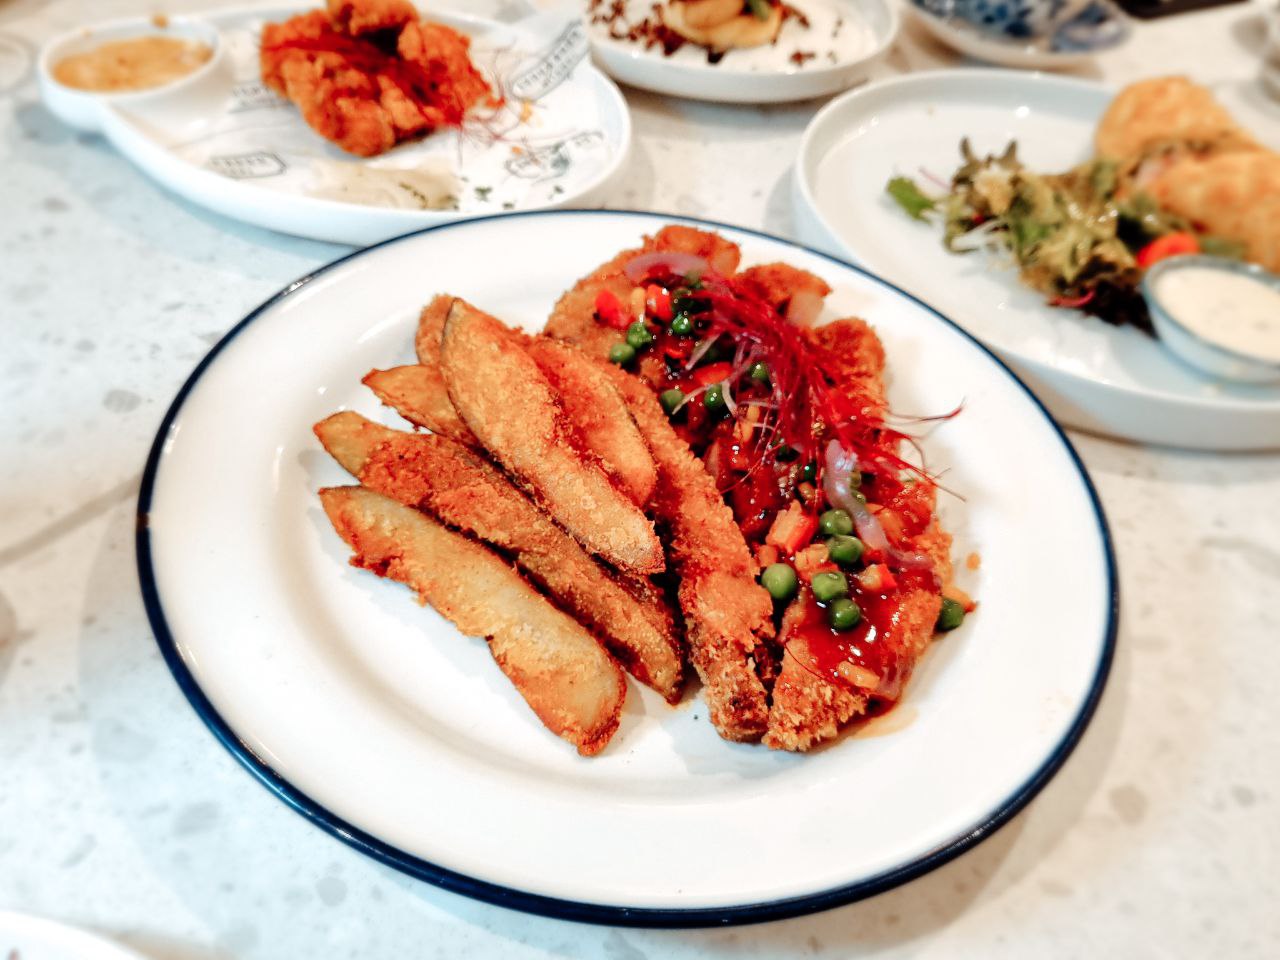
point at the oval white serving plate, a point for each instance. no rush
(377, 720)
(24, 937)
(845, 37)
(1093, 376)
(226, 142)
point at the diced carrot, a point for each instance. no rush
(1170, 245)
(766, 555)
(712, 373)
(658, 301)
(792, 529)
(609, 310)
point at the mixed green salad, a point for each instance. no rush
(1082, 238)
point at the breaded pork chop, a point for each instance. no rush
(727, 614)
(565, 676)
(502, 395)
(573, 318)
(455, 484)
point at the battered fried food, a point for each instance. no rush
(593, 404)
(1234, 195)
(1165, 110)
(418, 394)
(568, 680)
(510, 406)
(573, 319)
(466, 492)
(727, 613)
(367, 74)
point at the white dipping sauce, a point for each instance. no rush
(1226, 308)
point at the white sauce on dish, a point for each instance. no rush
(1229, 309)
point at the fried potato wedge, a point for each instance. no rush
(417, 392)
(510, 406)
(570, 682)
(728, 615)
(426, 341)
(592, 404)
(465, 491)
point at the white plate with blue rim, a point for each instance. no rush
(824, 46)
(221, 139)
(1100, 378)
(375, 719)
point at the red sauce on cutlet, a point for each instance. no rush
(875, 644)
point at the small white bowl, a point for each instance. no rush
(1193, 348)
(82, 108)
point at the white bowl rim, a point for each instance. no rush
(1226, 265)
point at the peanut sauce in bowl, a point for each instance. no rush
(122, 61)
(139, 63)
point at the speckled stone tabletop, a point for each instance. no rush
(120, 813)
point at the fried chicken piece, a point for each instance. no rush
(337, 99)
(366, 16)
(426, 339)
(418, 394)
(466, 492)
(592, 403)
(351, 90)
(566, 677)
(852, 356)
(728, 615)
(573, 318)
(510, 406)
(1161, 111)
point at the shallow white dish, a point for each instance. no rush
(1209, 356)
(25, 937)
(845, 37)
(376, 720)
(1091, 375)
(221, 139)
(1028, 55)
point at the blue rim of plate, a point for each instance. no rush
(556, 907)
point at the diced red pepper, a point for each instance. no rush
(712, 373)
(609, 310)
(1170, 245)
(658, 302)
(792, 529)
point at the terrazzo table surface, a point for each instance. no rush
(119, 812)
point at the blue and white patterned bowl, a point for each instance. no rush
(1002, 30)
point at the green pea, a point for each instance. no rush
(843, 614)
(844, 550)
(828, 586)
(638, 335)
(681, 325)
(780, 580)
(759, 372)
(622, 353)
(670, 399)
(950, 616)
(835, 523)
(809, 472)
(714, 397)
